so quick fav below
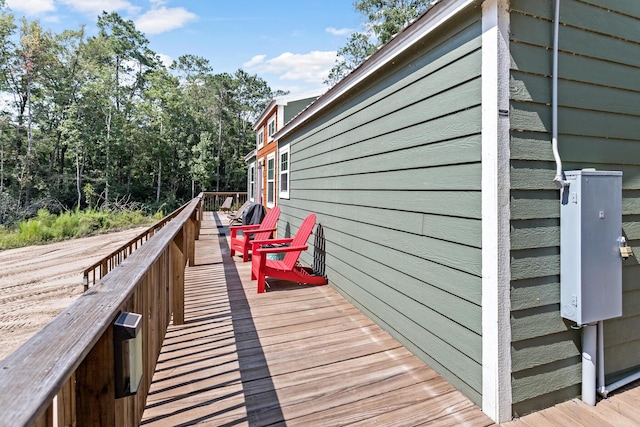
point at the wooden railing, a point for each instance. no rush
(213, 200)
(100, 269)
(64, 375)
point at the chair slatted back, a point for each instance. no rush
(300, 239)
(270, 220)
(238, 214)
(226, 205)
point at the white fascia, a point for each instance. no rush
(280, 118)
(261, 120)
(496, 270)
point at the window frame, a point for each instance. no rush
(271, 194)
(284, 194)
(251, 181)
(270, 132)
(260, 138)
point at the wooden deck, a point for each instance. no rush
(294, 355)
(305, 356)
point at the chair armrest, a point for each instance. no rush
(235, 228)
(272, 241)
(244, 227)
(282, 249)
(260, 230)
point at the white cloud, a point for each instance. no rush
(31, 7)
(338, 32)
(166, 59)
(312, 67)
(258, 59)
(293, 72)
(161, 20)
(95, 7)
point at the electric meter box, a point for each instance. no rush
(590, 240)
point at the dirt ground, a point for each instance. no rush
(38, 282)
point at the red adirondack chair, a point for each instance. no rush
(260, 231)
(288, 268)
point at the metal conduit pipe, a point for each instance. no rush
(559, 178)
(589, 348)
(603, 389)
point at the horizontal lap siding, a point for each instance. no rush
(393, 173)
(599, 126)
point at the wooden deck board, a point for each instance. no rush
(301, 356)
(575, 410)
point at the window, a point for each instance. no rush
(271, 127)
(252, 181)
(271, 175)
(260, 138)
(284, 172)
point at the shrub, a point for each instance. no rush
(65, 226)
(47, 227)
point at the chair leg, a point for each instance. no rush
(255, 266)
(245, 255)
(232, 252)
(261, 283)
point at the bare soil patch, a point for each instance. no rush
(38, 282)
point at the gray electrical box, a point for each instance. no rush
(590, 240)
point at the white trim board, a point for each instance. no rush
(496, 298)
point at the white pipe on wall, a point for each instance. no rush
(559, 178)
(621, 383)
(603, 389)
(589, 349)
(601, 383)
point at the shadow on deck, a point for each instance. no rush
(295, 355)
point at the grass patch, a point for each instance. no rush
(46, 227)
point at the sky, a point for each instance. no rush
(290, 44)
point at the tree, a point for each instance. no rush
(384, 19)
(357, 49)
(120, 57)
(101, 118)
(63, 75)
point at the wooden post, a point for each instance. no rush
(197, 214)
(46, 420)
(177, 286)
(191, 242)
(103, 268)
(95, 388)
(67, 403)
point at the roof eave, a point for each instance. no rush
(283, 100)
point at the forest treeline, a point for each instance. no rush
(89, 121)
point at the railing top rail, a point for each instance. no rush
(155, 226)
(222, 193)
(33, 374)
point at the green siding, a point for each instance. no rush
(393, 173)
(293, 108)
(599, 126)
